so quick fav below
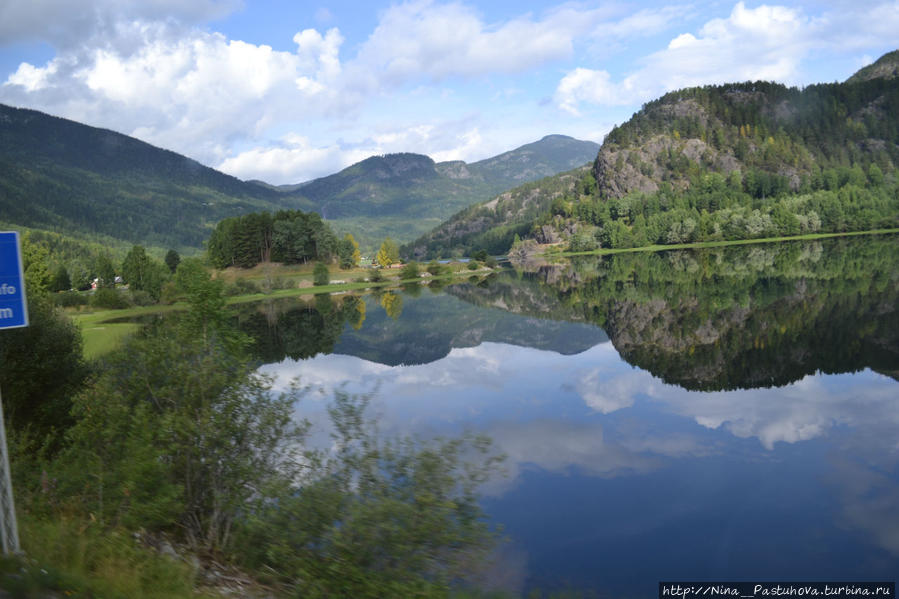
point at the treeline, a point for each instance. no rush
(289, 236)
(736, 206)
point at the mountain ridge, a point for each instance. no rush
(67, 177)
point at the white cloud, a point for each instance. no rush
(606, 392)
(67, 24)
(586, 85)
(807, 409)
(193, 93)
(32, 78)
(293, 161)
(767, 42)
(445, 40)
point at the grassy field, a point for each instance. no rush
(101, 336)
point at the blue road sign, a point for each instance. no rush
(13, 308)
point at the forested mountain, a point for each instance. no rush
(732, 161)
(60, 175)
(493, 225)
(887, 67)
(404, 195)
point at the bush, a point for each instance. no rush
(435, 268)
(70, 299)
(473, 265)
(140, 297)
(281, 283)
(320, 275)
(242, 287)
(582, 242)
(409, 271)
(401, 517)
(169, 293)
(108, 298)
(376, 276)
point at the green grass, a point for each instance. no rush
(70, 558)
(715, 244)
(102, 339)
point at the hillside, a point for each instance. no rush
(404, 195)
(886, 67)
(732, 161)
(59, 175)
(493, 225)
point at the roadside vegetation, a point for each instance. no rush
(169, 466)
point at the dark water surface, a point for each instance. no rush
(711, 415)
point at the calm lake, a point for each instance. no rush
(727, 414)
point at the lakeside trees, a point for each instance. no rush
(388, 254)
(289, 236)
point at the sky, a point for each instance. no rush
(287, 91)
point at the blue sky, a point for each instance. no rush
(288, 91)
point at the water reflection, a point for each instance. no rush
(397, 328)
(734, 317)
(714, 469)
(747, 400)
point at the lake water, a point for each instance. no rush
(725, 414)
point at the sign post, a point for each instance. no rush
(13, 314)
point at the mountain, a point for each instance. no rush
(552, 154)
(493, 225)
(886, 67)
(60, 175)
(731, 161)
(404, 195)
(63, 176)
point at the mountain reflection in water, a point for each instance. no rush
(741, 423)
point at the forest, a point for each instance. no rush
(288, 236)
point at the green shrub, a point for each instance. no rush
(108, 298)
(281, 283)
(242, 287)
(70, 299)
(139, 297)
(169, 293)
(320, 274)
(409, 271)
